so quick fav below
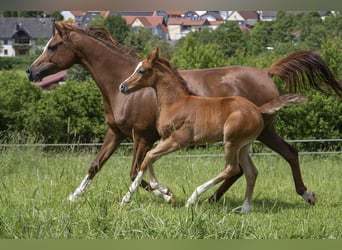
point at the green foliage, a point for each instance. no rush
(195, 55)
(331, 51)
(11, 63)
(117, 27)
(72, 112)
(229, 38)
(142, 41)
(320, 118)
(260, 38)
(17, 94)
(77, 73)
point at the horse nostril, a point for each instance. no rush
(123, 88)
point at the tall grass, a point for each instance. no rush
(35, 184)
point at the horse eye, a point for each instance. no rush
(141, 71)
(52, 47)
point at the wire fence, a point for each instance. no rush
(326, 146)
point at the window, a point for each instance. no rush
(5, 52)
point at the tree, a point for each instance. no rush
(192, 54)
(142, 41)
(56, 15)
(117, 27)
(229, 38)
(72, 112)
(283, 28)
(260, 38)
(312, 31)
(17, 94)
(331, 51)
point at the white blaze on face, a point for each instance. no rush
(45, 49)
(135, 71)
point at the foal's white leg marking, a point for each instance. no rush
(161, 191)
(80, 190)
(132, 188)
(198, 191)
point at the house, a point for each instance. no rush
(22, 36)
(180, 27)
(155, 23)
(212, 16)
(244, 17)
(268, 15)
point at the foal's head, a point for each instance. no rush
(143, 75)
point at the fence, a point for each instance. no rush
(330, 146)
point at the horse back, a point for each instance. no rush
(254, 84)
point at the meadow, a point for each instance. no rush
(35, 184)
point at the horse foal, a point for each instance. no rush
(185, 119)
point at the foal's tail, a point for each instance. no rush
(282, 101)
(306, 69)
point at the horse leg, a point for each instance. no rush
(225, 186)
(164, 147)
(270, 138)
(140, 148)
(231, 169)
(111, 142)
(251, 174)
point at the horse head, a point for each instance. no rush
(142, 76)
(57, 55)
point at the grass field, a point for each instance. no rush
(35, 185)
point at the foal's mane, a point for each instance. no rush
(166, 64)
(100, 33)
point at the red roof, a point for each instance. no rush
(147, 21)
(188, 21)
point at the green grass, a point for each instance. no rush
(34, 187)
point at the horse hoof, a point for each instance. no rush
(309, 197)
(172, 200)
(211, 199)
(72, 198)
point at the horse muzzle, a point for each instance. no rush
(124, 89)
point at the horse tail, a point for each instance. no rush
(306, 69)
(281, 101)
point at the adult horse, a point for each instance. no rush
(185, 119)
(109, 63)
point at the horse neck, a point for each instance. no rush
(169, 88)
(107, 65)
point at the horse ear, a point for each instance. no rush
(58, 27)
(154, 55)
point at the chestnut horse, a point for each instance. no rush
(185, 119)
(109, 63)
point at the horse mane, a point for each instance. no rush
(100, 33)
(166, 64)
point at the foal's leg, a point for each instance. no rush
(111, 142)
(164, 147)
(231, 169)
(141, 146)
(270, 138)
(251, 174)
(225, 186)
